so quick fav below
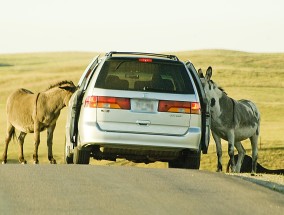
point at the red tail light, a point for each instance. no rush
(195, 108)
(91, 101)
(179, 107)
(145, 60)
(107, 102)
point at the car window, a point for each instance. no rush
(88, 71)
(150, 76)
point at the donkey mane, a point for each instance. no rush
(220, 88)
(59, 84)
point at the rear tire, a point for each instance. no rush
(193, 160)
(81, 156)
(69, 159)
(188, 160)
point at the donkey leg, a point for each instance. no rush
(217, 140)
(37, 141)
(231, 143)
(10, 132)
(50, 131)
(241, 155)
(21, 140)
(254, 140)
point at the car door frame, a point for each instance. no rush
(78, 98)
(205, 113)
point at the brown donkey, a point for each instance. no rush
(33, 113)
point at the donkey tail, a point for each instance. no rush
(12, 134)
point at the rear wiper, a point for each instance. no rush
(116, 68)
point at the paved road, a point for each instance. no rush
(76, 189)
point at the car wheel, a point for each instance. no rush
(81, 156)
(192, 160)
(189, 160)
(69, 159)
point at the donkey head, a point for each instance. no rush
(68, 88)
(212, 91)
(207, 83)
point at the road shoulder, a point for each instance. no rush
(273, 182)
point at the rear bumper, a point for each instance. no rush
(92, 135)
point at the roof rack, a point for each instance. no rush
(172, 57)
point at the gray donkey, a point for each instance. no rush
(233, 121)
(33, 113)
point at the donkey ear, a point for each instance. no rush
(68, 88)
(208, 73)
(200, 73)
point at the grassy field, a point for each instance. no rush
(258, 77)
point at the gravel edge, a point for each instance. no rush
(273, 182)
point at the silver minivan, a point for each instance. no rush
(142, 107)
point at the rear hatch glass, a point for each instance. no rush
(150, 75)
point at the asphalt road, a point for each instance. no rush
(77, 189)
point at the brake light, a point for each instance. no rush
(145, 60)
(91, 101)
(107, 102)
(195, 108)
(179, 107)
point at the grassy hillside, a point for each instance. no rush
(258, 77)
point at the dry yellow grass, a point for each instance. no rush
(258, 77)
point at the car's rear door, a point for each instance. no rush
(205, 138)
(76, 99)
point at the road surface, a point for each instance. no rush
(90, 189)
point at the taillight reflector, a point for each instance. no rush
(179, 107)
(145, 60)
(107, 102)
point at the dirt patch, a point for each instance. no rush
(274, 182)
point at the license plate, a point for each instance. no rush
(142, 105)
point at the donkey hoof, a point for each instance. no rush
(52, 161)
(4, 162)
(36, 162)
(233, 170)
(22, 161)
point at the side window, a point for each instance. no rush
(90, 70)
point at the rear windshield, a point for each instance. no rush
(144, 75)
